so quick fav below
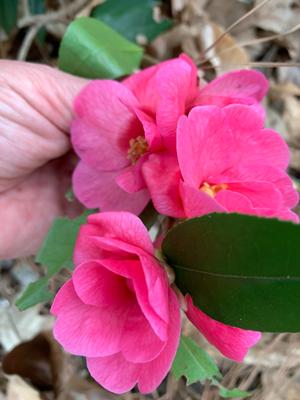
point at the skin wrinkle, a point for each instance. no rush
(32, 108)
(35, 170)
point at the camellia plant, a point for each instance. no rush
(189, 211)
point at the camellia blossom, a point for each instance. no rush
(118, 125)
(226, 162)
(119, 311)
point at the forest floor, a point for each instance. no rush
(267, 39)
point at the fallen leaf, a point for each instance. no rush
(225, 55)
(277, 15)
(17, 326)
(18, 389)
(41, 361)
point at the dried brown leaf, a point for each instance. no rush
(226, 55)
(277, 16)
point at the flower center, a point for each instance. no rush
(137, 147)
(212, 190)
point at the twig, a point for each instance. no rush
(250, 43)
(27, 42)
(238, 21)
(258, 64)
(43, 19)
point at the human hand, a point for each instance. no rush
(35, 158)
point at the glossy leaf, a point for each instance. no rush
(56, 253)
(131, 18)
(241, 270)
(8, 14)
(93, 50)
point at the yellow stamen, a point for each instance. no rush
(212, 190)
(137, 147)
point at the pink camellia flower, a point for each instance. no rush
(226, 161)
(119, 311)
(118, 125)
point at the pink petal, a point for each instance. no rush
(151, 132)
(133, 269)
(118, 375)
(114, 373)
(254, 145)
(97, 189)
(131, 179)
(95, 285)
(123, 226)
(157, 286)
(204, 144)
(232, 342)
(235, 202)
(162, 175)
(286, 187)
(148, 346)
(153, 373)
(87, 330)
(288, 215)
(177, 86)
(261, 194)
(235, 87)
(105, 122)
(197, 203)
(143, 85)
(87, 247)
(265, 173)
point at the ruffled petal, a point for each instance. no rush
(235, 202)
(177, 86)
(243, 86)
(197, 203)
(162, 176)
(261, 194)
(154, 372)
(97, 286)
(143, 85)
(232, 342)
(204, 144)
(114, 373)
(131, 179)
(97, 189)
(87, 330)
(104, 123)
(132, 269)
(123, 226)
(253, 144)
(139, 342)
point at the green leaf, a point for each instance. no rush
(56, 253)
(36, 292)
(93, 50)
(57, 250)
(131, 18)
(241, 270)
(38, 7)
(193, 362)
(196, 365)
(8, 14)
(232, 393)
